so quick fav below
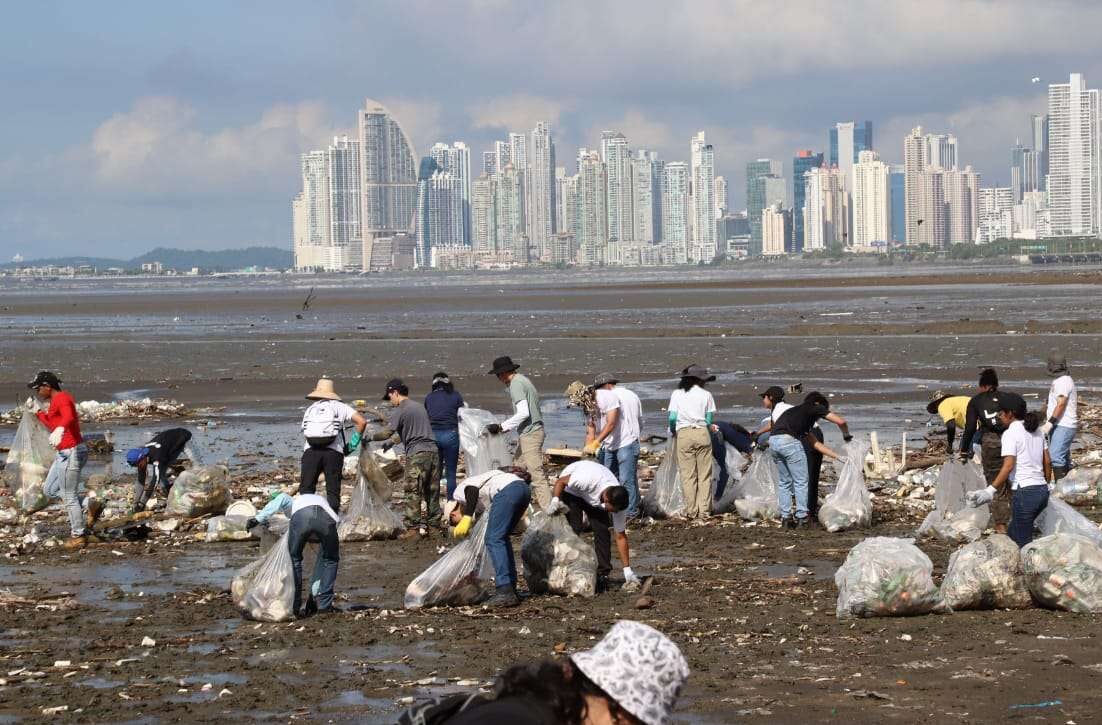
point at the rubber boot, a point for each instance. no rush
(506, 596)
(1059, 471)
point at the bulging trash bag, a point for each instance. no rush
(1080, 486)
(28, 462)
(1060, 518)
(482, 452)
(665, 497)
(886, 577)
(1064, 571)
(460, 577)
(850, 505)
(200, 490)
(557, 560)
(952, 519)
(229, 528)
(758, 489)
(986, 574)
(369, 517)
(735, 461)
(265, 589)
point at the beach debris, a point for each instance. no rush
(463, 576)
(757, 489)
(369, 516)
(882, 463)
(200, 490)
(986, 574)
(264, 590)
(850, 505)
(952, 519)
(229, 528)
(886, 577)
(28, 461)
(1060, 518)
(1081, 486)
(557, 560)
(149, 642)
(1064, 571)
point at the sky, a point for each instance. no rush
(130, 125)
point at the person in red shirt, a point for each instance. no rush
(63, 480)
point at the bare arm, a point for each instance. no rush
(1048, 466)
(560, 486)
(1061, 406)
(360, 422)
(838, 421)
(826, 451)
(622, 547)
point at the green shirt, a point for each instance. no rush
(521, 388)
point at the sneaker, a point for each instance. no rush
(311, 608)
(91, 516)
(503, 598)
(602, 584)
(75, 543)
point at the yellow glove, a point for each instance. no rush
(463, 527)
(592, 447)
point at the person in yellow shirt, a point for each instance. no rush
(953, 410)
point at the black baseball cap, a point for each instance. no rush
(395, 384)
(45, 377)
(775, 393)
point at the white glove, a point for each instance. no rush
(629, 576)
(1046, 428)
(555, 506)
(32, 404)
(979, 498)
(56, 435)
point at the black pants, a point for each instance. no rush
(600, 521)
(316, 461)
(814, 468)
(314, 524)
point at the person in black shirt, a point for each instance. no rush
(160, 452)
(790, 436)
(442, 405)
(982, 424)
(724, 433)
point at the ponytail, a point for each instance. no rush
(1032, 421)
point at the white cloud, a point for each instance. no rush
(516, 112)
(421, 120)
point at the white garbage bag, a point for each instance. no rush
(482, 452)
(369, 517)
(886, 577)
(200, 490)
(265, 589)
(665, 497)
(1060, 518)
(1080, 486)
(735, 462)
(850, 505)
(230, 528)
(460, 577)
(557, 560)
(28, 462)
(986, 574)
(757, 497)
(1064, 571)
(952, 519)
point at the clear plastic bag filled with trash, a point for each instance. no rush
(230, 528)
(28, 462)
(461, 577)
(1080, 487)
(265, 589)
(757, 491)
(952, 519)
(1060, 518)
(735, 462)
(665, 497)
(1064, 571)
(482, 452)
(369, 516)
(200, 490)
(849, 506)
(557, 560)
(986, 574)
(886, 577)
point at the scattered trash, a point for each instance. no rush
(557, 560)
(886, 577)
(1049, 703)
(986, 574)
(149, 642)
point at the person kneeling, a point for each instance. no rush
(312, 521)
(590, 488)
(506, 494)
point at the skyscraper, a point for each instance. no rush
(592, 220)
(646, 188)
(962, 187)
(541, 212)
(675, 205)
(776, 230)
(847, 140)
(898, 190)
(484, 213)
(566, 202)
(1074, 158)
(345, 236)
(1038, 125)
(924, 154)
(522, 166)
(703, 170)
(456, 160)
(489, 162)
(617, 158)
(826, 206)
(803, 162)
(440, 217)
(995, 210)
(510, 223)
(720, 196)
(388, 178)
(761, 191)
(315, 195)
(871, 202)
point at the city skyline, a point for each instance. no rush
(185, 129)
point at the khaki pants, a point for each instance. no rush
(694, 464)
(530, 455)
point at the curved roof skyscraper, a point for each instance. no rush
(388, 173)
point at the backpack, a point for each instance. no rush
(317, 423)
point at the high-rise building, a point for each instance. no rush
(646, 188)
(961, 205)
(941, 150)
(316, 205)
(1038, 126)
(541, 207)
(915, 161)
(675, 205)
(456, 161)
(761, 191)
(703, 170)
(566, 202)
(933, 214)
(617, 158)
(489, 162)
(388, 177)
(898, 191)
(995, 209)
(720, 196)
(510, 223)
(776, 230)
(345, 236)
(440, 211)
(847, 140)
(803, 162)
(826, 205)
(484, 213)
(1074, 158)
(592, 220)
(922, 154)
(503, 154)
(871, 202)
(522, 166)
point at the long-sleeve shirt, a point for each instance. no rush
(62, 413)
(982, 415)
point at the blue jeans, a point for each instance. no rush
(63, 481)
(792, 469)
(624, 464)
(506, 508)
(1059, 445)
(314, 524)
(1026, 506)
(447, 442)
(719, 455)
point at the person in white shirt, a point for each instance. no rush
(773, 400)
(325, 447)
(590, 488)
(614, 436)
(506, 495)
(691, 410)
(1062, 414)
(1026, 467)
(312, 521)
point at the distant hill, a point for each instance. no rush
(182, 259)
